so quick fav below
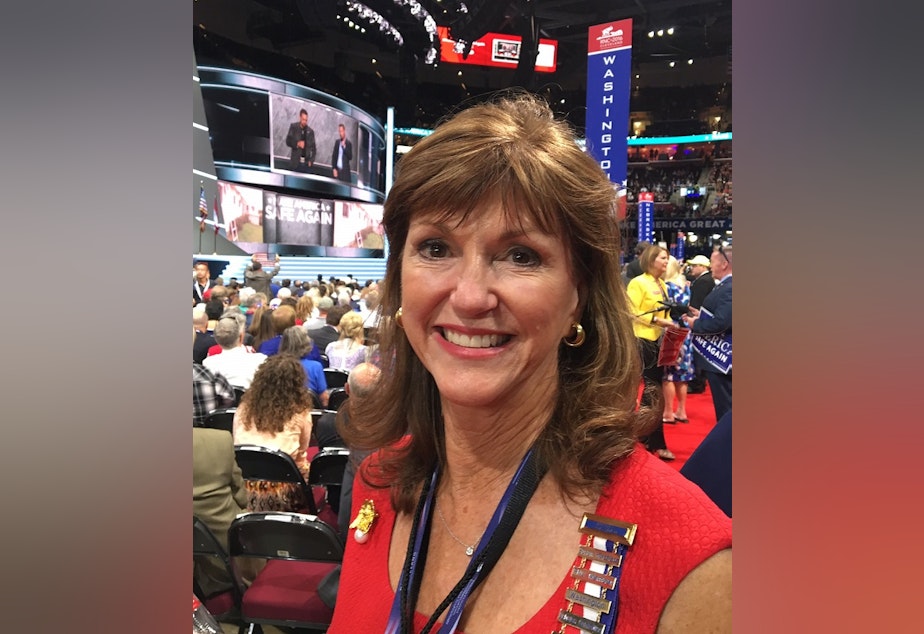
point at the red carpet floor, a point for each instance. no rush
(683, 438)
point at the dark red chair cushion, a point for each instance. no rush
(288, 591)
(220, 604)
(327, 515)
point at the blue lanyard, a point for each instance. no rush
(477, 568)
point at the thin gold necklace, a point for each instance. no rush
(469, 550)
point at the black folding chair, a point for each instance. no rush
(211, 562)
(261, 463)
(327, 469)
(335, 377)
(222, 418)
(302, 550)
(336, 398)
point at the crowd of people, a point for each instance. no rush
(494, 380)
(662, 181)
(720, 179)
(705, 152)
(696, 295)
(267, 357)
(665, 183)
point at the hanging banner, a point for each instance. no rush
(609, 67)
(681, 246)
(646, 216)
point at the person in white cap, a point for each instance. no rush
(700, 280)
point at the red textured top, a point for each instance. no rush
(678, 528)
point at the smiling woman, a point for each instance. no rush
(485, 286)
(506, 412)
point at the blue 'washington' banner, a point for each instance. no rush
(645, 216)
(609, 65)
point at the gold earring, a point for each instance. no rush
(577, 339)
(398, 315)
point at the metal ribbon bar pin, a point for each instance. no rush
(603, 556)
(579, 622)
(594, 603)
(599, 526)
(590, 576)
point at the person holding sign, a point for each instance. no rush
(711, 328)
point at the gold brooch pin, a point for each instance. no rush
(363, 522)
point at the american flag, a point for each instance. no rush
(203, 209)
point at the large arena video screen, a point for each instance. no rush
(255, 217)
(271, 133)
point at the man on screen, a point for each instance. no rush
(301, 139)
(341, 156)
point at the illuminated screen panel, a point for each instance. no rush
(358, 225)
(317, 147)
(499, 50)
(241, 211)
(249, 118)
(254, 218)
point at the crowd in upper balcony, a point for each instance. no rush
(707, 182)
(720, 177)
(663, 182)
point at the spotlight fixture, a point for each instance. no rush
(429, 24)
(374, 19)
(689, 61)
(660, 32)
(671, 64)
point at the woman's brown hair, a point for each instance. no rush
(647, 259)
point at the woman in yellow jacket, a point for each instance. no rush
(646, 294)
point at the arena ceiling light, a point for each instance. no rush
(661, 32)
(375, 20)
(423, 16)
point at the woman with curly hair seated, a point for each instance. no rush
(275, 412)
